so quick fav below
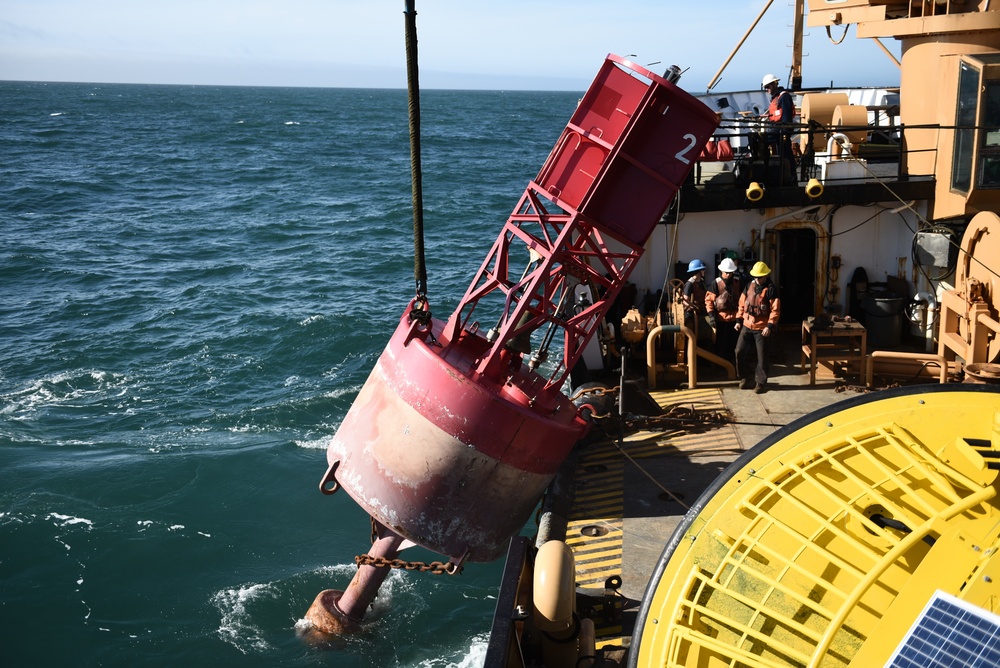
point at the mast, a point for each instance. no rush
(796, 74)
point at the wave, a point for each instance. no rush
(70, 389)
(461, 656)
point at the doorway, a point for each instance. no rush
(797, 274)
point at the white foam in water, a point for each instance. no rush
(67, 520)
(342, 391)
(316, 444)
(64, 388)
(236, 626)
(473, 657)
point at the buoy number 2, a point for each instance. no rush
(682, 154)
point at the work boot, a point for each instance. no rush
(745, 383)
(760, 389)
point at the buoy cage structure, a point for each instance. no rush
(463, 423)
(827, 544)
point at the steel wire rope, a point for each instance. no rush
(416, 176)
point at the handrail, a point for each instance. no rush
(693, 353)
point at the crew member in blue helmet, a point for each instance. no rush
(694, 301)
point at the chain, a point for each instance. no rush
(596, 391)
(435, 567)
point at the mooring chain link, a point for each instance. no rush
(596, 391)
(435, 567)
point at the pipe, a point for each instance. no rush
(693, 353)
(588, 644)
(918, 357)
(906, 205)
(336, 612)
(928, 304)
(651, 338)
(842, 142)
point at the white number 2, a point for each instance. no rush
(680, 155)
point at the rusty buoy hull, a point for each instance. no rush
(454, 464)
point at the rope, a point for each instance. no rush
(413, 88)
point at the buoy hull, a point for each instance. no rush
(454, 465)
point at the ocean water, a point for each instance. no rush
(194, 284)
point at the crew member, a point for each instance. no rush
(757, 321)
(694, 301)
(722, 301)
(780, 115)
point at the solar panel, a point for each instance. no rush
(950, 633)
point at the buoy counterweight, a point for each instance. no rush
(462, 424)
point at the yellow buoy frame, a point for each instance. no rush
(755, 192)
(820, 546)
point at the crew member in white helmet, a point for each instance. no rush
(781, 112)
(722, 301)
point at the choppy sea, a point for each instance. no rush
(194, 284)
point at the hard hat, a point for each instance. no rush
(768, 78)
(695, 265)
(728, 265)
(760, 269)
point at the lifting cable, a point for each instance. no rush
(413, 105)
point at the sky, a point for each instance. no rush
(462, 44)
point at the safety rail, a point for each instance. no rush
(693, 353)
(748, 149)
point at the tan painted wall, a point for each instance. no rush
(928, 94)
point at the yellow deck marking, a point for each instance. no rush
(595, 528)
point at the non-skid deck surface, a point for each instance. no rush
(596, 523)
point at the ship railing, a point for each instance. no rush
(761, 153)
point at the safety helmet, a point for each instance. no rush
(760, 269)
(695, 265)
(728, 265)
(768, 79)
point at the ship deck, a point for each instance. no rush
(631, 491)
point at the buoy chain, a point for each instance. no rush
(596, 391)
(435, 567)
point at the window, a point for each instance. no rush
(965, 132)
(989, 137)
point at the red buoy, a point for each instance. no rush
(462, 424)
